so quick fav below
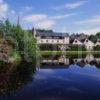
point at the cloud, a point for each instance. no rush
(3, 8)
(71, 5)
(89, 25)
(28, 8)
(95, 20)
(90, 31)
(13, 12)
(35, 17)
(40, 20)
(63, 16)
(45, 21)
(75, 5)
(1, 1)
(45, 24)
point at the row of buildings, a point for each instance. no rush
(63, 40)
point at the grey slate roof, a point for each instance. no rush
(52, 34)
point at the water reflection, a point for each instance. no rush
(57, 78)
(57, 61)
(13, 78)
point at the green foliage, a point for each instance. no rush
(77, 48)
(97, 48)
(93, 38)
(15, 57)
(98, 35)
(23, 41)
(49, 47)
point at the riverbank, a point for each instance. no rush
(44, 53)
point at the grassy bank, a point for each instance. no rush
(68, 52)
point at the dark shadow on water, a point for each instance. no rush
(13, 78)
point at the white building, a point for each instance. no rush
(89, 44)
(60, 39)
(98, 42)
(77, 42)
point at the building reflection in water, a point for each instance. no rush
(13, 78)
(64, 61)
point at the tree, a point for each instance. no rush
(23, 40)
(93, 38)
(98, 35)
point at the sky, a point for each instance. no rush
(72, 16)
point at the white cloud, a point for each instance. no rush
(28, 8)
(45, 24)
(40, 20)
(75, 5)
(62, 16)
(90, 31)
(13, 12)
(35, 17)
(3, 8)
(89, 26)
(1, 1)
(70, 5)
(95, 20)
(45, 21)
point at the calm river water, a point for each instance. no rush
(58, 78)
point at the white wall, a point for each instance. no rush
(53, 41)
(77, 43)
(97, 43)
(89, 44)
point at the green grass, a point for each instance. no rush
(68, 52)
(15, 57)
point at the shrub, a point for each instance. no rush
(77, 48)
(97, 48)
(49, 47)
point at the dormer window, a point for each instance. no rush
(46, 40)
(86, 40)
(75, 41)
(99, 41)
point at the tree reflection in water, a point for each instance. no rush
(13, 78)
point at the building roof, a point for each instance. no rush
(81, 37)
(52, 34)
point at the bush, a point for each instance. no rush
(49, 47)
(15, 57)
(77, 48)
(23, 41)
(97, 48)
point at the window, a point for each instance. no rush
(99, 41)
(46, 40)
(57, 41)
(75, 41)
(86, 40)
(41, 41)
